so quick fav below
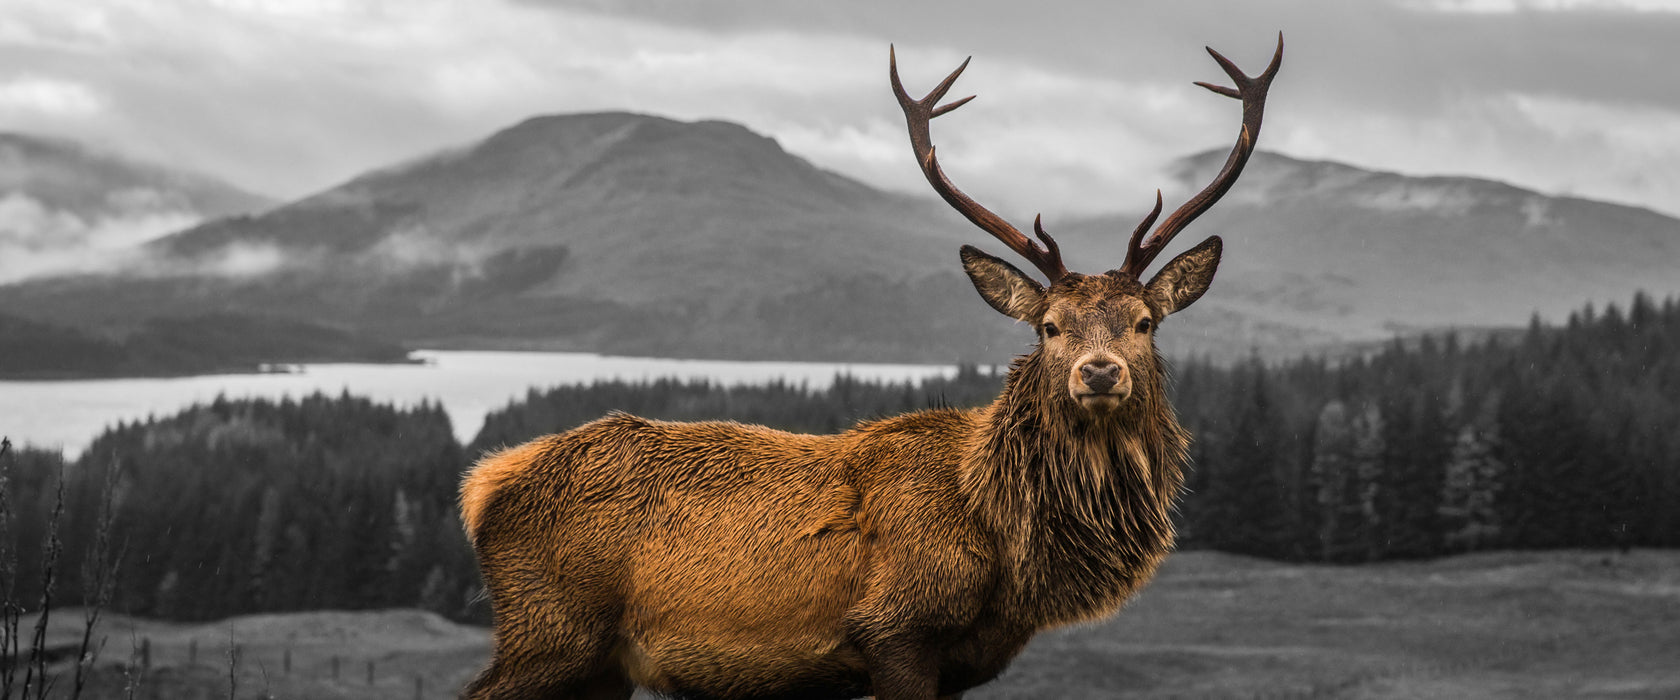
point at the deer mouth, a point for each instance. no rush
(1103, 400)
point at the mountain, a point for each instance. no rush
(1320, 253)
(610, 232)
(68, 208)
(638, 235)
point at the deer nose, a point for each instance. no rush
(1100, 375)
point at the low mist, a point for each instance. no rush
(38, 240)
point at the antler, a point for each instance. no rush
(917, 114)
(1252, 92)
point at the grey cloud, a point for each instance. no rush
(1380, 55)
(1389, 85)
(1376, 83)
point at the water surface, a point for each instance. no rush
(68, 414)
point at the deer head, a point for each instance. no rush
(1096, 330)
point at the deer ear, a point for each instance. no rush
(1182, 281)
(1007, 289)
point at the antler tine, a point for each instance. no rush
(1252, 92)
(917, 114)
(1143, 226)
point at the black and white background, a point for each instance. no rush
(1450, 280)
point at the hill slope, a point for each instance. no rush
(1323, 252)
(612, 232)
(638, 235)
(65, 207)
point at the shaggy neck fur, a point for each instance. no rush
(1080, 503)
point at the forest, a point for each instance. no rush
(1549, 437)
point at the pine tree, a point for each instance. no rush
(262, 556)
(1247, 510)
(1550, 455)
(1470, 493)
(1414, 468)
(1333, 511)
(1368, 448)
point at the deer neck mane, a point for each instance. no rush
(1080, 504)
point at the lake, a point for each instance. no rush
(68, 414)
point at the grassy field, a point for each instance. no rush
(327, 655)
(1504, 625)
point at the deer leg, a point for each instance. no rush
(552, 641)
(607, 686)
(903, 672)
(546, 676)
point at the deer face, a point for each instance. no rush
(1096, 331)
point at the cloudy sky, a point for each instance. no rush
(1081, 103)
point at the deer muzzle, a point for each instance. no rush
(1100, 382)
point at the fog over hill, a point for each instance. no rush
(639, 235)
(67, 208)
(610, 232)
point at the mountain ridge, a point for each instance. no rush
(57, 172)
(650, 236)
(1329, 249)
(636, 234)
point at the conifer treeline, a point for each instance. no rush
(1550, 438)
(1557, 437)
(256, 505)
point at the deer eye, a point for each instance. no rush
(1144, 325)
(1050, 330)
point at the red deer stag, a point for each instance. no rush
(910, 557)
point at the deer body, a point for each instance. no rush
(740, 561)
(909, 558)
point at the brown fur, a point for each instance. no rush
(910, 557)
(492, 471)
